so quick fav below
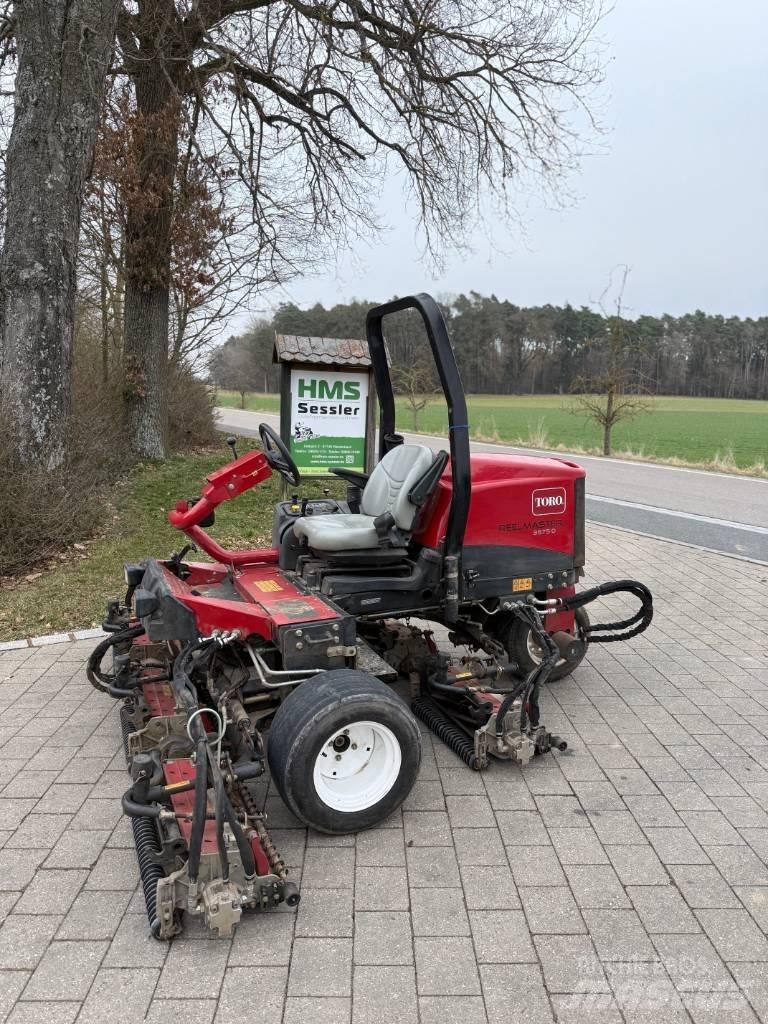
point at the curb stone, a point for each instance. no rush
(50, 639)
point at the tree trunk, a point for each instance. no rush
(608, 423)
(148, 247)
(64, 48)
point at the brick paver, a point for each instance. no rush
(625, 880)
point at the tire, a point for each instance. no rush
(519, 643)
(318, 745)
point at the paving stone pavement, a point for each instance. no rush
(625, 880)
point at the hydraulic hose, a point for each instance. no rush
(634, 625)
(185, 692)
(102, 681)
(134, 809)
(221, 797)
(528, 690)
(199, 810)
(510, 699)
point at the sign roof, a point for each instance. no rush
(294, 348)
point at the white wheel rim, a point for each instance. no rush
(357, 766)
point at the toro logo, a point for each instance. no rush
(548, 501)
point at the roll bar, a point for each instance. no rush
(448, 371)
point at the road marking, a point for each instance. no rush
(680, 515)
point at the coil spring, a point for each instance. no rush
(276, 862)
(431, 715)
(145, 840)
(127, 728)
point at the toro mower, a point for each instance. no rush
(280, 657)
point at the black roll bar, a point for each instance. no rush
(448, 371)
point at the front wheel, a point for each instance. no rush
(344, 751)
(524, 650)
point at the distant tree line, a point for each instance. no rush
(503, 348)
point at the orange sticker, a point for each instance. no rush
(268, 586)
(524, 583)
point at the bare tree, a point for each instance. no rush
(306, 106)
(63, 50)
(616, 393)
(209, 255)
(233, 367)
(417, 384)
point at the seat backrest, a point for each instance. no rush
(391, 481)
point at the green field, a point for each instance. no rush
(697, 430)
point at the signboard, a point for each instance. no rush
(329, 411)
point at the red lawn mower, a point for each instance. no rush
(300, 640)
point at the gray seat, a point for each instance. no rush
(387, 490)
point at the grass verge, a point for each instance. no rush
(71, 591)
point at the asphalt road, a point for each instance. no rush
(717, 511)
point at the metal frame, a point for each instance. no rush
(448, 371)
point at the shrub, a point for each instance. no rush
(190, 411)
(43, 512)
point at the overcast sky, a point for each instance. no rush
(680, 191)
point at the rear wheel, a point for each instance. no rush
(524, 650)
(343, 751)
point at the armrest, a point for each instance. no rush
(427, 482)
(356, 479)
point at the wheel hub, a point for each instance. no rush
(357, 766)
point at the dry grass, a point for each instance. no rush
(537, 436)
(720, 463)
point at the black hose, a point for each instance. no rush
(510, 699)
(101, 681)
(150, 872)
(221, 798)
(447, 688)
(182, 685)
(199, 811)
(247, 770)
(431, 715)
(242, 772)
(633, 625)
(187, 695)
(528, 690)
(134, 809)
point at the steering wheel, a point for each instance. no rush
(277, 455)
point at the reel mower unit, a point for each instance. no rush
(282, 657)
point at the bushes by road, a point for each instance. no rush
(45, 511)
